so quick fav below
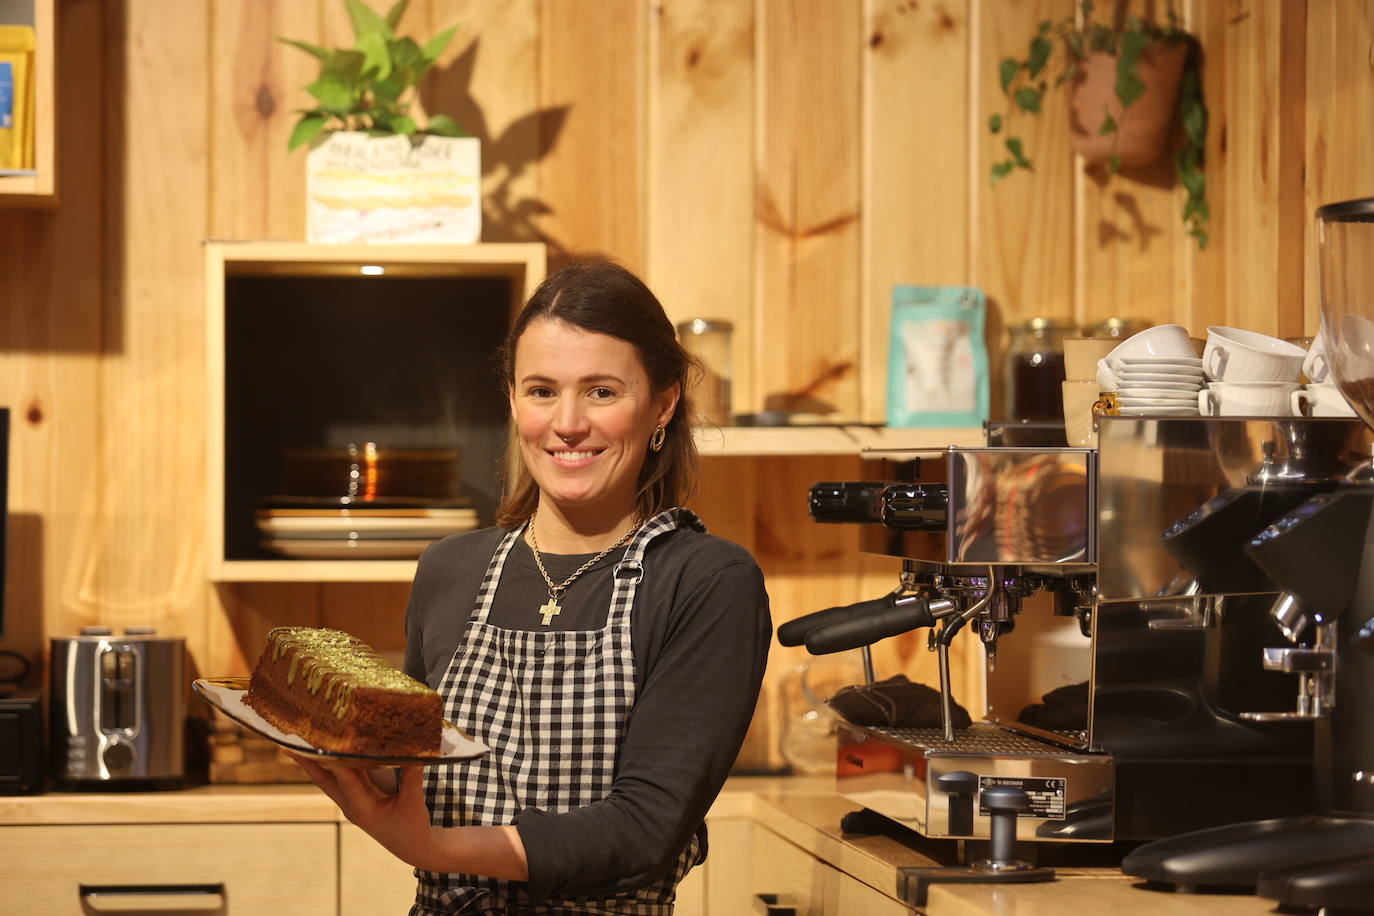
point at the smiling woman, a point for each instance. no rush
(568, 637)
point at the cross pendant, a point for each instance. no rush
(549, 610)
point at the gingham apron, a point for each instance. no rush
(553, 707)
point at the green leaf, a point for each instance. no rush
(445, 126)
(404, 124)
(1108, 125)
(995, 123)
(1113, 164)
(332, 92)
(322, 53)
(305, 130)
(1195, 123)
(407, 57)
(1028, 99)
(1046, 25)
(435, 46)
(1040, 48)
(1129, 87)
(346, 65)
(376, 55)
(1074, 40)
(365, 19)
(386, 92)
(1017, 152)
(1007, 71)
(393, 15)
(1001, 170)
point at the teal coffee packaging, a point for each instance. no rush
(937, 369)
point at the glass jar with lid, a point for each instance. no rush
(1035, 369)
(708, 339)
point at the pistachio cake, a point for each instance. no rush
(338, 694)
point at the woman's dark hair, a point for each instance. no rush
(599, 295)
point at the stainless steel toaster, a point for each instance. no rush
(118, 710)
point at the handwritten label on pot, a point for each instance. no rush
(1046, 795)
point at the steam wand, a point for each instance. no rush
(952, 625)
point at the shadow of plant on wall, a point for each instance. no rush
(510, 213)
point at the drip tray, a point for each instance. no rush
(918, 779)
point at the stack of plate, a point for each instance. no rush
(365, 502)
(306, 528)
(1153, 386)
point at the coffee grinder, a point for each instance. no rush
(1321, 555)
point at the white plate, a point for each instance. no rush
(1159, 411)
(1139, 378)
(1129, 362)
(319, 549)
(1170, 390)
(1180, 387)
(226, 695)
(1158, 402)
(365, 527)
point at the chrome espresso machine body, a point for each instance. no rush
(1141, 678)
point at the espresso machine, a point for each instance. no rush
(1321, 556)
(1140, 677)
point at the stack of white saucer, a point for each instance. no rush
(1155, 373)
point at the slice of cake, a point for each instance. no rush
(338, 694)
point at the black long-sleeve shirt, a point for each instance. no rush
(700, 630)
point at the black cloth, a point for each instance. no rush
(896, 702)
(700, 631)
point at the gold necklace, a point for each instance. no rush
(552, 608)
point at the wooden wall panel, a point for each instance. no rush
(143, 562)
(592, 59)
(1132, 258)
(1023, 243)
(806, 350)
(1340, 118)
(488, 81)
(916, 167)
(257, 189)
(52, 332)
(700, 254)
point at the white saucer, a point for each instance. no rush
(1137, 361)
(1189, 388)
(1173, 403)
(1128, 378)
(1159, 411)
(1179, 393)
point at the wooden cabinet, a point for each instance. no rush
(39, 186)
(240, 868)
(752, 869)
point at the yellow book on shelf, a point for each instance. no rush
(16, 97)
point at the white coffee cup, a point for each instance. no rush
(1079, 397)
(1162, 340)
(1238, 355)
(1320, 401)
(1315, 366)
(1247, 399)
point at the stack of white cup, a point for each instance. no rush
(1321, 397)
(1155, 373)
(1249, 374)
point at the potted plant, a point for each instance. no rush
(373, 173)
(1125, 84)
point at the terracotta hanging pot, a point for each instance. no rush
(1143, 128)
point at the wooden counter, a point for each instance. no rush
(800, 816)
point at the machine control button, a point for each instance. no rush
(118, 757)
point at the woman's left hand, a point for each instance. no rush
(399, 821)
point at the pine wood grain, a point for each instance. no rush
(591, 59)
(257, 188)
(916, 167)
(1339, 166)
(701, 115)
(52, 334)
(806, 349)
(1023, 246)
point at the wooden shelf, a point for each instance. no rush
(40, 188)
(758, 441)
(306, 344)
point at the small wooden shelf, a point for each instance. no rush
(757, 441)
(40, 188)
(307, 345)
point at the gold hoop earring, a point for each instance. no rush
(656, 440)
